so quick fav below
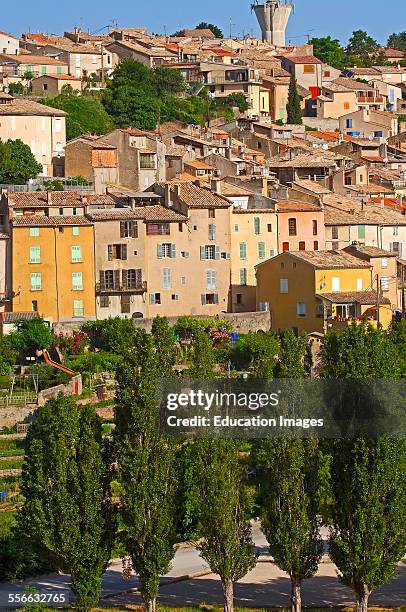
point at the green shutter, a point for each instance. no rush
(243, 250)
(261, 250)
(257, 225)
(361, 232)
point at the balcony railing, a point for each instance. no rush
(136, 287)
(370, 100)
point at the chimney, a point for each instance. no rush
(228, 153)
(168, 195)
(216, 185)
(382, 202)
(49, 197)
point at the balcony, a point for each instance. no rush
(111, 288)
(370, 100)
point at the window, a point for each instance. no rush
(243, 250)
(125, 302)
(116, 251)
(35, 281)
(348, 123)
(335, 246)
(166, 250)
(359, 284)
(128, 229)
(309, 69)
(209, 251)
(238, 299)
(315, 227)
(285, 246)
(384, 262)
(334, 232)
(236, 227)
(315, 245)
(346, 106)
(58, 124)
(302, 246)
(155, 298)
(35, 254)
(131, 279)
(75, 231)
(104, 301)
(209, 298)
(185, 254)
(395, 230)
(243, 276)
(76, 254)
(384, 283)
(77, 281)
(292, 227)
(335, 283)
(78, 310)
(166, 278)
(147, 161)
(257, 225)
(264, 306)
(183, 280)
(261, 250)
(345, 311)
(175, 297)
(211, 280)
(61, 212)
(283, 285)
(158, 229)
(34, 232)
(108, 279)
(301, 309)
(269, 226)
(396, 247)
(212, 213)
(212, 231)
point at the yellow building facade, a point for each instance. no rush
(317, 291)
(53, 267)
(254, 239)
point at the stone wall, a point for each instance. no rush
(75, 384)
(11, 415)
(242, 322)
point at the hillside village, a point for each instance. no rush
(202, 219)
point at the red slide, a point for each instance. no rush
(56, 365)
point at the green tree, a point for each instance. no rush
(85, 113)
(146, 469)
(17, 163)
(31, 335)
(362, 48)
(66, 485)
(209, 26)
(165, 345)
(293, 108)
(291, 362)
(202, 363)
(16, 89)
(290, 512)
(168, 82)
(329, 51)
(397, 41)
(223, 513)
(368, 536)
(256, 352)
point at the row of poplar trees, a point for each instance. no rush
(357, 485)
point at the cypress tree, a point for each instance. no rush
(202, 356)
(290, 511)
(222, 505)
(165, 345)
(145, 469)
(368, 535)
(66, 486)
(293, 108)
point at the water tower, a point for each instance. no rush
(273, 17)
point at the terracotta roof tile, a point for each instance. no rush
(326, 260)
(200, 197)
(54, 221)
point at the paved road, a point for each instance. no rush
(265, 586)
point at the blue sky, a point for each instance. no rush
(317, 17)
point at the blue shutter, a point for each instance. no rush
(202, 252)
(216, 298)
(173, 251)
(203, 298)
(159, 250)
(152, 298)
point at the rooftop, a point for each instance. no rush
(200, 197)
(365, 298)
(43, 221)
(326, 260)
(24, 106)
(296, 206)
(147, 213)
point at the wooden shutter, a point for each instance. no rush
(122, 229)
(123, 251)
(116, 279)
(110, 252)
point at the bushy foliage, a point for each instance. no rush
(30, 336)
(257, 353)
(17, 163)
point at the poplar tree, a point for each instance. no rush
(222, 506)
(165, 345)
(146, 469)
(368, 534)
(202, 362)
(293, 107)
(66, 485)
